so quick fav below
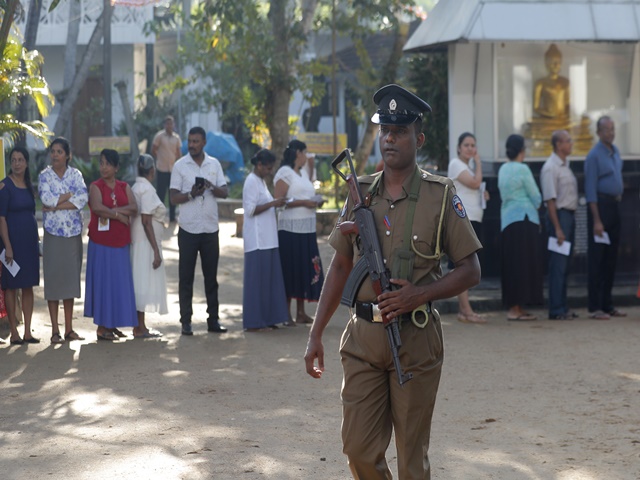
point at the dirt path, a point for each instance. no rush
(545, 400)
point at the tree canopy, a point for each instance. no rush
(249, 56)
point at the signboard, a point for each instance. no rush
(119, 144)
(3, 172)
(322, 143)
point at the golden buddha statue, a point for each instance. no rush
(551, 111)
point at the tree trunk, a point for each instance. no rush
(128, 118)
(70, 51)
(7, 21)
(389, 75)
(279, 89)
(30, 36)
(33, 21)
(64, 117)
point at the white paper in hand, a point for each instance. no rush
(603, 239)
(564, 249)
(14, 268)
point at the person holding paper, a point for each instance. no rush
(301, 265)
(149, 277)
(522, 280)
(19, 233)
(264, 301)
(109, 294)
(603, 188)
(560, 192)
(466, 173)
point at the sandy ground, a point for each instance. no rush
(542, 400)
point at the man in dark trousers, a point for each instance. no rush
(560, 193)
(374, 403)
(197, 180)
(603, 188)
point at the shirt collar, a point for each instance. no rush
(142, 180)
(558, 161)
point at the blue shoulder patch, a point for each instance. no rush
(458, 207)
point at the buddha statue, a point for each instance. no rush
(551, 97)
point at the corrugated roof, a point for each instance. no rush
(527, 20)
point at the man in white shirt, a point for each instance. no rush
(166, 150)
(196, 181)
(560, 192)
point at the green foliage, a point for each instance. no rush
(20, 77)
(149, 119)
(238, 59)
(90, 169)
(429, 79)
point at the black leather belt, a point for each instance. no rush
(371, 313)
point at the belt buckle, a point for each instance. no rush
(376, 316)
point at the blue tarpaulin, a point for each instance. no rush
(224, 147)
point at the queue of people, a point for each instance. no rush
(110, 296)
(520, 240)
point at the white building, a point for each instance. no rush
(128, 55)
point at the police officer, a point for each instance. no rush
(418, 216)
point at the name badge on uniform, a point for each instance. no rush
(458, 207)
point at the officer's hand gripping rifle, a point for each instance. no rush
(371, 263)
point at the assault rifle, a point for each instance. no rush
(371, 263)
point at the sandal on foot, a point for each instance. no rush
(72, 336)
(289, 323)
(471, 318)
(599, 315)
(106, 335)
(118, 333)
(31, 340)
(56, 339)
(617, 313)
(17, 341)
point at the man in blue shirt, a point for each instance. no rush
(603, 188)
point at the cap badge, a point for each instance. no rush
(392, 104)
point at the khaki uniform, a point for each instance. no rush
(373, 401)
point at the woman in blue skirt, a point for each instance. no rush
(264, 301)
(109, 295)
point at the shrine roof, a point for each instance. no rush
(453, 21)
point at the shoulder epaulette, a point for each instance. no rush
(430, 177)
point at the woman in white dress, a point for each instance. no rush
(466, 173)
(301, 266)
(149, 279)
(264, 302)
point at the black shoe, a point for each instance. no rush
(217, 328)
(186, 329)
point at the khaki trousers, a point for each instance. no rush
(374, 403)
